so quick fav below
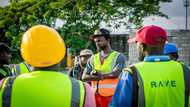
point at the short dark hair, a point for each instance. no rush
(4, 48)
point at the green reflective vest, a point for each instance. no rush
(20, 68)
(42, 89)
(108, 64)
(161, 84)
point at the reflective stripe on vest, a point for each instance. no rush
(105, 87)
(12, 95)
(163, 84)
(78, 93)
(6, 94)
(21, 68)
(3, 72)
(108, 64)
(186, 73)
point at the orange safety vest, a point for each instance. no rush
(105, 87)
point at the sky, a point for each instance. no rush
(176, 13)
(175, 10)
(3, 2)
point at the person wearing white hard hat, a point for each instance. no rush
(78, 68)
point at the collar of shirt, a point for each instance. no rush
(104, 55)
(156, 58)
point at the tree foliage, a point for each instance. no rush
(80, 17)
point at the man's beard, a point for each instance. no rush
(102, 47)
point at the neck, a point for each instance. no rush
(51, 68)
(107, 49)
(82, 66)
(154, 52)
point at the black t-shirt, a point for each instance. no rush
(76, 72)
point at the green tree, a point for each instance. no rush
(80, 17)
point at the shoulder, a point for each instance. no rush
(185, 67)
(96, 54)
(120, 56)
(130, 69)
(7, 82)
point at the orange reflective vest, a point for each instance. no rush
(105, 87)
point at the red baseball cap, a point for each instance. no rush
(150, 35)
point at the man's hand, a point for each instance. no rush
(93, 76)
(99, 75)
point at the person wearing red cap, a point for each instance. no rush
(103, 68)
(156, 81)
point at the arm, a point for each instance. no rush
(89, 98)
(88, 74)
(123, 93)
(91, 77)
(120, 64)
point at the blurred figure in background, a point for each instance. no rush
(21, 68)
(80, 64)
(171, 50)
(5, 59)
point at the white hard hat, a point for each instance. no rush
(86, 52)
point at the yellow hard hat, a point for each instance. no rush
(42, 46)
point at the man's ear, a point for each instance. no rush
(142, 47)
(109, 40)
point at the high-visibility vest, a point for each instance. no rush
(21, 68)
(162, 84)
(105, 87)
(42, 89)
(5, 71)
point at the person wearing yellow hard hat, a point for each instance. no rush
(43, 48)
